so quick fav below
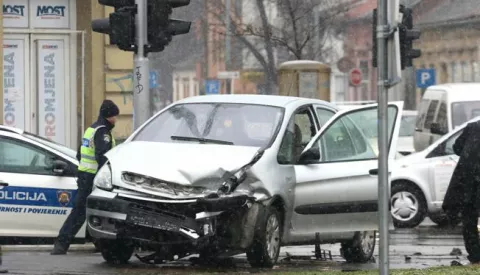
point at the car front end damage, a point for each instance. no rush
(172, 219)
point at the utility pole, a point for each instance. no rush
(393, 52)
(227, 46)
(141, 70)
(382, 97)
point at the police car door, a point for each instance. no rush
(34, 199)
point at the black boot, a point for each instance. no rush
(59, 249)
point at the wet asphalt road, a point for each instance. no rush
(422, 247)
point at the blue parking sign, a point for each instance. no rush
(425, 78)
(212, 87)
(153, 80)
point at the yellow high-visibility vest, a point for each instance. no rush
(88, 163)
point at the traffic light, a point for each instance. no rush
(120, 25)
(160, 27)
(407, 35)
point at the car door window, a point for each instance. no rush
(422, 113)
(300, 130)
(324, 115)
(352, 137)
(20, 157)
(430, 114)
(450, 142)
(442, 116)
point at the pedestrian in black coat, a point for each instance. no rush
(462, 198)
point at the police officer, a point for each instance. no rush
(96, 141)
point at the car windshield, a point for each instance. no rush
(223, 123)
(407, 126)
(464, 111)
(53, 145)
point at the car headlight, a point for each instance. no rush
(103, 179)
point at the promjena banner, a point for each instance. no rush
(51, 90)
(14, 83)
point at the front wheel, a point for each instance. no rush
(265, 248)
(408, 205)
(116, 251)
(360, 249)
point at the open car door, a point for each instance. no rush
(335, 192)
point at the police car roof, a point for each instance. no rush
(11, 129)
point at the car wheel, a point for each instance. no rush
(116, 251)
(360, 249)
(442, 220)
(265, 248)
(408, 205)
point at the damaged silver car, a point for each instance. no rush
(222, 175)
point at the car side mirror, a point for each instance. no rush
(310, 156)
(436, 129)
(59, 167)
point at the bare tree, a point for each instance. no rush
(274, 30)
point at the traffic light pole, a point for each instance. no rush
(382, 96)
(141, 69)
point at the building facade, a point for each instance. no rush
(449, 44)
(57, 72)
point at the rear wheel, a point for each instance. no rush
(265, 248)
(116, 251)
(360, 249)
(408, 205)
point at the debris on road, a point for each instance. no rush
(456, 252)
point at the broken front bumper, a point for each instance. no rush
(110, 217)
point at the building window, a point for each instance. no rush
(365, 70)
(466, 72)
(475, 71)
(186, 87)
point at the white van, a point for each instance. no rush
(443, 108)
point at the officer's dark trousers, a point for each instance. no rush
(470, 233)
(78, 215)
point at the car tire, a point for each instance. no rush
(265, 248)
(116, 251)
(442, 220)
(408, 205)
(360, 249)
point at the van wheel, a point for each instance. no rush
(266, 244)
(116, 251)
(360, 249)
(408, 205)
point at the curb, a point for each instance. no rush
(89, 247)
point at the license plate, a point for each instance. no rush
(153, 220)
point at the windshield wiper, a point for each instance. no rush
(201, 140)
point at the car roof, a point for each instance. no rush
(270, 100)
(458, 91)
(11, 129)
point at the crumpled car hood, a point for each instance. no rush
(182, 163)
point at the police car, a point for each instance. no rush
(37, 185)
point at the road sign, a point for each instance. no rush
(228, 75)
(212, 87)
(153, 80)
(425, 78)
(355, 77)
